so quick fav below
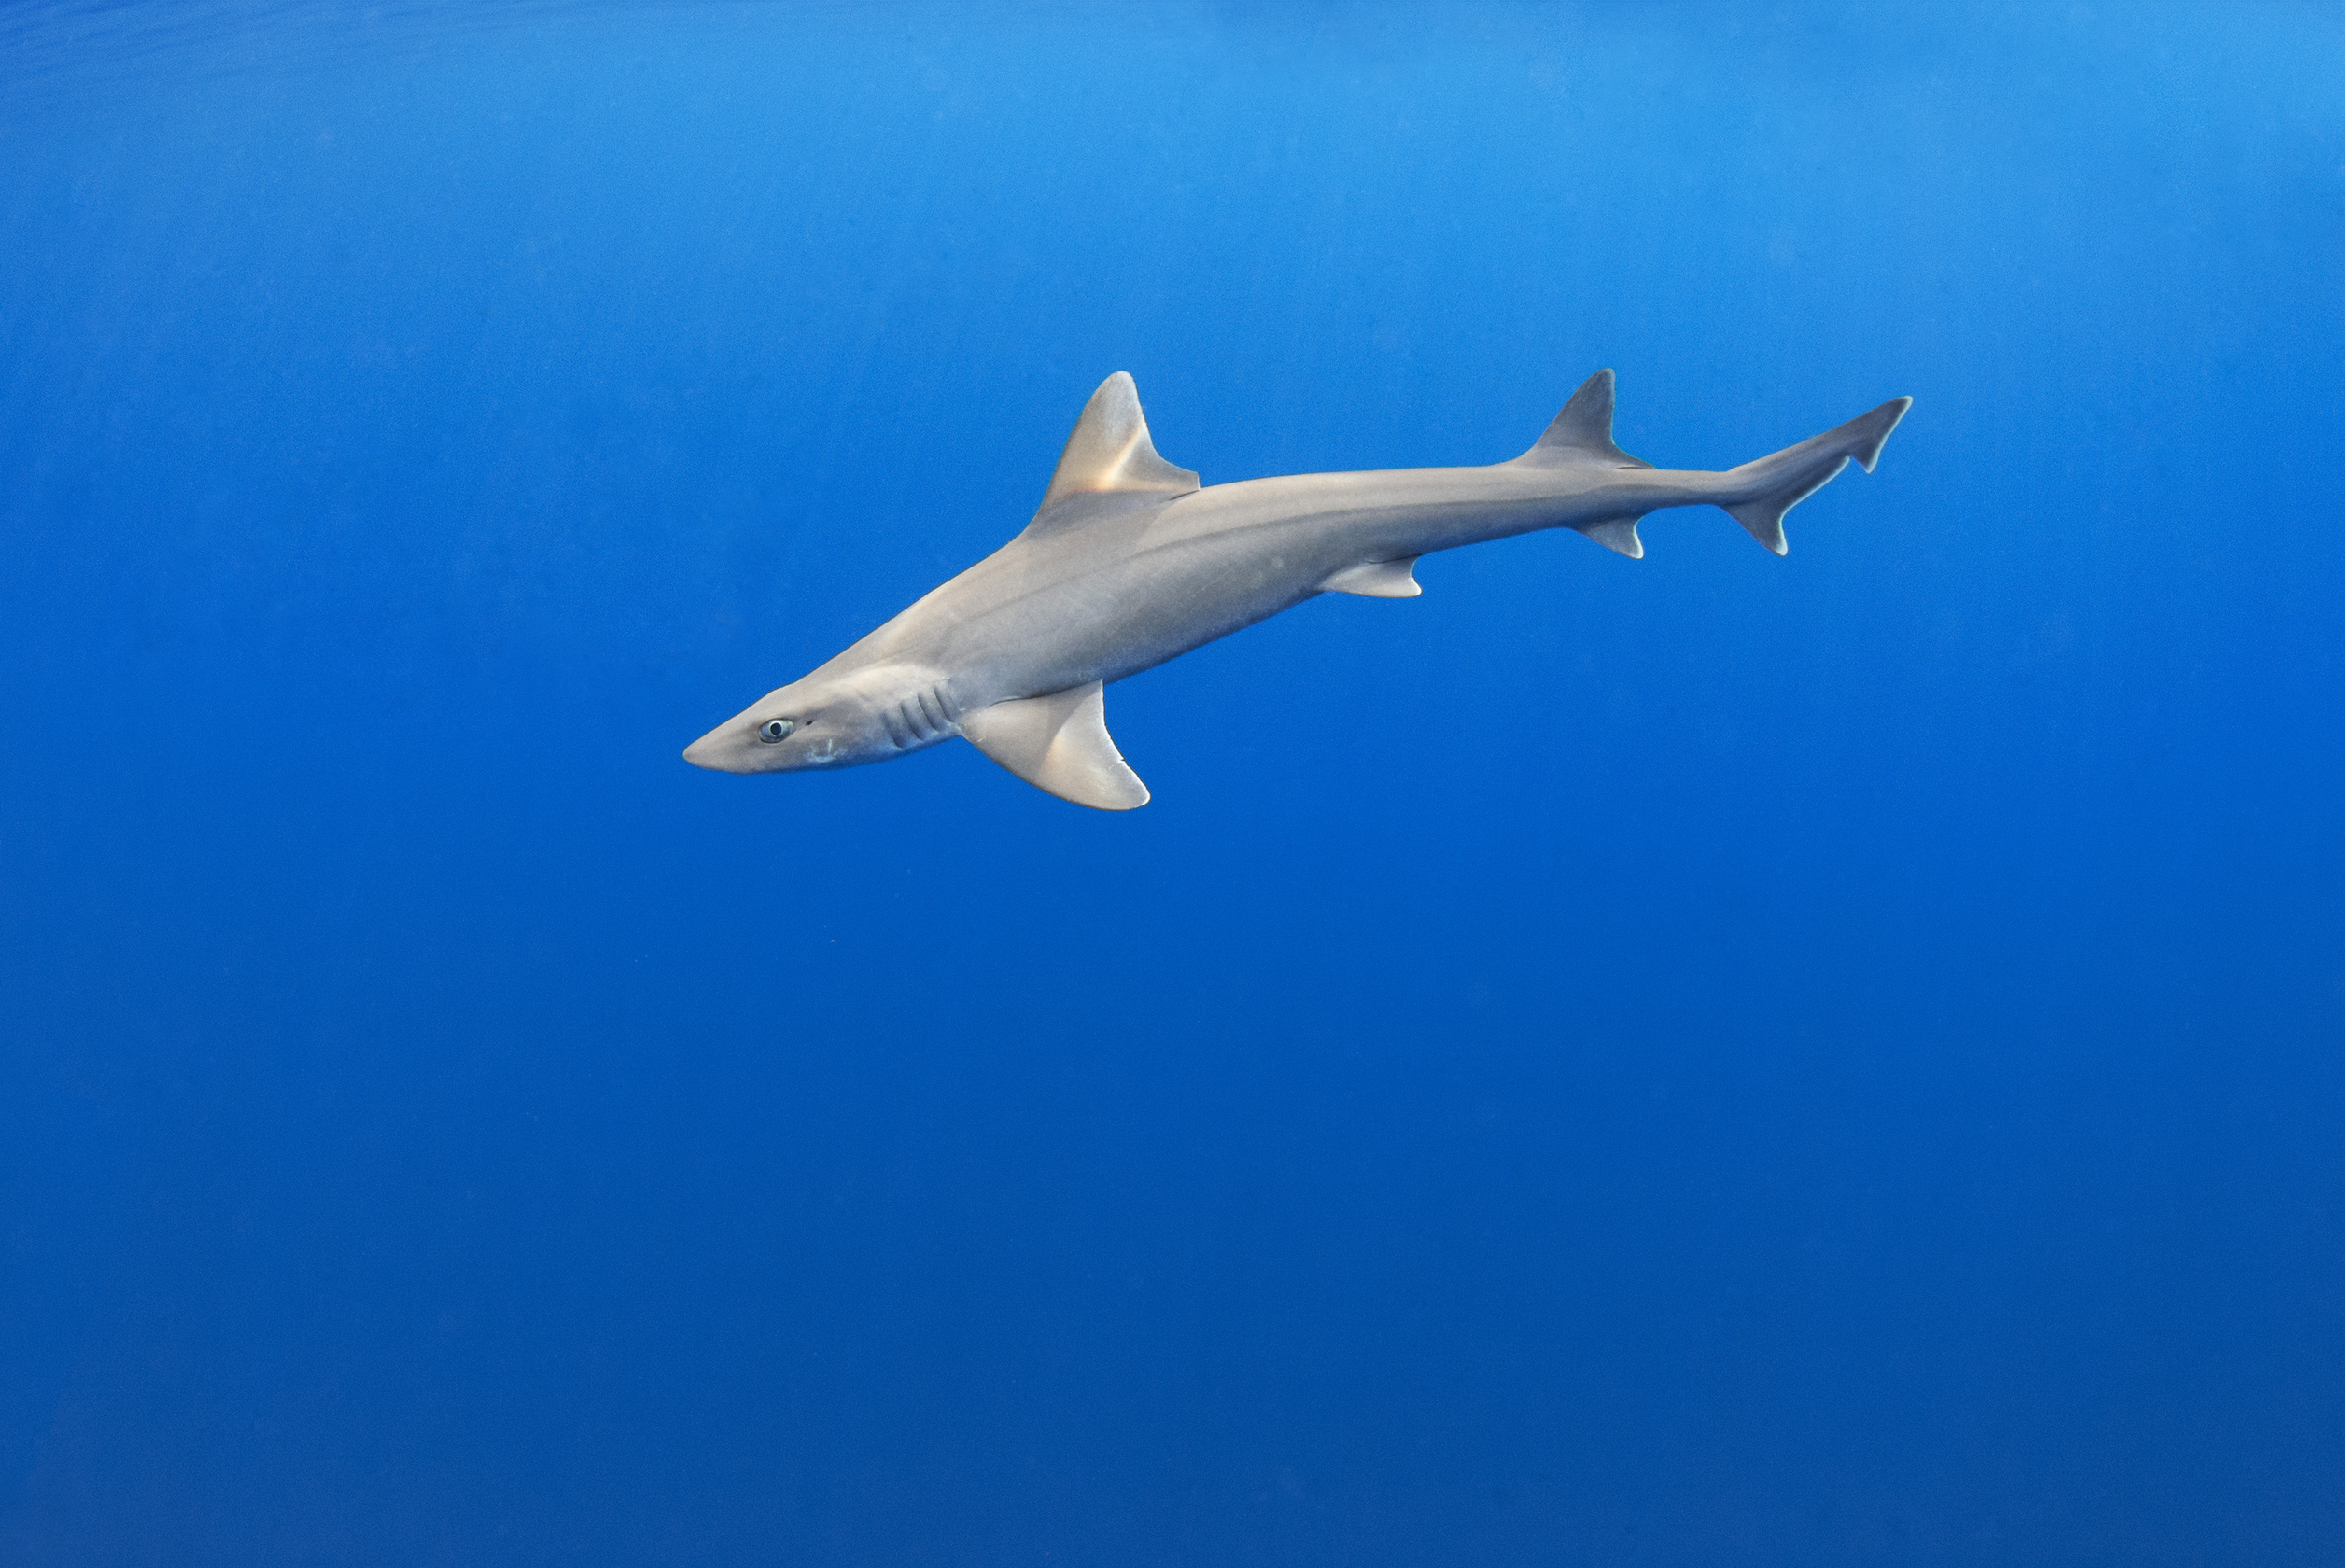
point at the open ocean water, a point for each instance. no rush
(1712, 1060)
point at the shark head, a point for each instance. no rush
(830, 722)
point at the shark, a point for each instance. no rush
(1129, 562)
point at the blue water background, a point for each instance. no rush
(1706, 1060)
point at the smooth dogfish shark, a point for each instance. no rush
(1128, 562)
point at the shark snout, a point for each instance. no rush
(713, 750)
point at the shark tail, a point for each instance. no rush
(1773, 486)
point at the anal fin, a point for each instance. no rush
(1060, 743)
(1619, 533)
(1377, 580)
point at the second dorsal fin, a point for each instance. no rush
(1584, 429)
(1110, 451)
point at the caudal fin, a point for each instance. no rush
(1782, 481)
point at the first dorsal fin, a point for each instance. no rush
(1584, 429)
(1060, 743)
(1110, 451)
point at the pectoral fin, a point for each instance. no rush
(1060, 743)
(1377, 580)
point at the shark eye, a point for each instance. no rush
(774, 729)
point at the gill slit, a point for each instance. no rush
(924, 717)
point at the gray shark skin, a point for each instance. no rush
(1129, 563)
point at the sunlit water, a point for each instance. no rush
(1703, 1061)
